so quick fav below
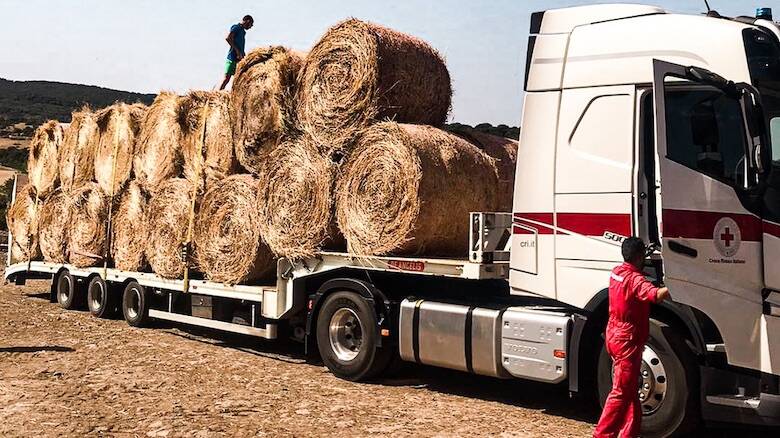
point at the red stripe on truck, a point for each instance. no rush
(692, 224)
(587, 224)
(771, 228)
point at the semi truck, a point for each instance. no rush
(636, 122)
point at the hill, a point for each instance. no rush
(33, 102)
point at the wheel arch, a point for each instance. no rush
(366, 290)
(686, 320)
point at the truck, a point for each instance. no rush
(636, 122)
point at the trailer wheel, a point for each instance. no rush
(135, 305)
(101, 300)
(69, 294)
(347, 337)
(668, 385)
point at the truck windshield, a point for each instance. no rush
(763, 57)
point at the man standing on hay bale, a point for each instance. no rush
(236, 41)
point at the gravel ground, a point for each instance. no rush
(65, 373)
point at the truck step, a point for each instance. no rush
(734, 401)
(269, 332)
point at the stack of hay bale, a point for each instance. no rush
(340, 148)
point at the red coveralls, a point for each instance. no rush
(630, 295)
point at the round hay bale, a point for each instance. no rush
(118, 126)
(43, 162)
(295, 200)
(22, 220)
(53, 222)
(158, 146)
(87, 230)
(360, 72)
(167, 216)
(227, 233)
(79, 144)
(409, 189)
(261, 102)
(128, 228)
(207, 145)
(504, 151)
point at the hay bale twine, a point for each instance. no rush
(504, 151)
(79, 144)
(167, 216)
(261, 102)
(360, 72)
(118, 126)
(158, 146)
(53, 222)
(227, 233)
(128, 228)
(207, 145)
(87, 230)
(295, 200)
(409, 189)
(43, 162)
(22, 220)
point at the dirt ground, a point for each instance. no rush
(66, 373)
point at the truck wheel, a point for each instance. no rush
(347, 337)
(135, 305)
(69, 294)
(101, 300)
(668, 385)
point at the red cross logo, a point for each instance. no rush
(727, 237)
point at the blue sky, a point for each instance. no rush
(152, 45)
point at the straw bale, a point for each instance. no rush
(361, 72)
(261, 102)
(22, 219)
(79, 144)
(167, 215)
(53, 222)
(504, 151)
(43, 161)
(227, 233)
(409, 189)
(128, 228)
(158, 146)
(87, 230)
(118, 126)
(207, 145)
(296, 200)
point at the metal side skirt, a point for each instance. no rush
(269, 332)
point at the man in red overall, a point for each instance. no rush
(630, 296)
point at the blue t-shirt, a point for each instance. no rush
(238, 38)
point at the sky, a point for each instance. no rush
(152, 45)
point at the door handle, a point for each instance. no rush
(683, 249)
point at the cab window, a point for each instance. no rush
(706, 133)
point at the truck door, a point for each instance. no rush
(710, 219)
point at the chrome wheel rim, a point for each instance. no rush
(134, 304)
(652, 381)
(65, 291)
(345, 333)
(96, 296)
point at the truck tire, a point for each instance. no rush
(135, 305)
(669, 385)
(101, 300)
(69, 294)
(347, 337)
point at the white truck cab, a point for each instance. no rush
(665, 126)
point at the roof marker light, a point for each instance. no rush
(764, 13)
